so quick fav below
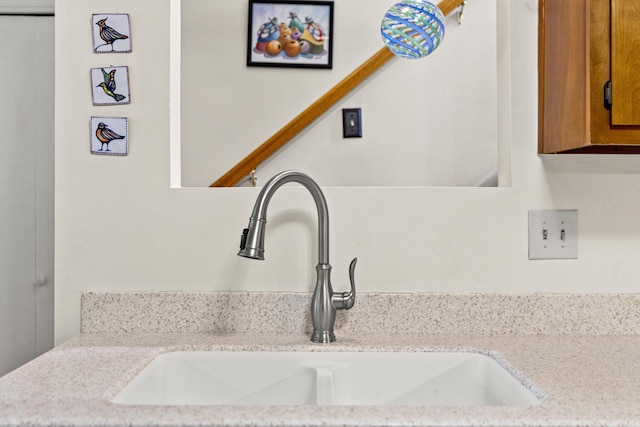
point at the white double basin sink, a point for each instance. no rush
(326, 378)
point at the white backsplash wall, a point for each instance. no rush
(119, 226)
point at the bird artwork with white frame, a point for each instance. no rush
(109, 135)
(110, 85)
(111, 33)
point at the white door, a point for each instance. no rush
(26, 188)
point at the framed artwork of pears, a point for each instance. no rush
(290, 34)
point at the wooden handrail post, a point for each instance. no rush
(315, 110)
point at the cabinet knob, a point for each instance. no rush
(40, 281)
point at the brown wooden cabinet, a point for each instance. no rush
(583, 44)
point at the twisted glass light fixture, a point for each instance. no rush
(413, 29)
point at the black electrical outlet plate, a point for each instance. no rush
(351, 123)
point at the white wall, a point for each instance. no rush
(119, 226)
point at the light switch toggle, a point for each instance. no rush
(351, 123)
(553, 234)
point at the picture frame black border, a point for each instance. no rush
(290, 64)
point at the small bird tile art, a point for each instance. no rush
(111, 33)
(110, 85)
(110, 136)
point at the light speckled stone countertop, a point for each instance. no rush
(586, 379)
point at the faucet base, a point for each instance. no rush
(323, 337)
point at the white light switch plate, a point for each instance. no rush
(553, 234)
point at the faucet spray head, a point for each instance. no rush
(252, 240)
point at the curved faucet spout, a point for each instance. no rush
(324, 302)
(254, 241)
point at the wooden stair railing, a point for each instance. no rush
(244, 168)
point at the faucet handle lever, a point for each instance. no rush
(346, 300)
(352, 276)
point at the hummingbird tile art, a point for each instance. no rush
(111, 33)
(110, 85)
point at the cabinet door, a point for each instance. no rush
(584, 44)
(625, 62)
(615, 56)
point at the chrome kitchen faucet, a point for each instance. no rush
(324, 302)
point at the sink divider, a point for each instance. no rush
(325, 391)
